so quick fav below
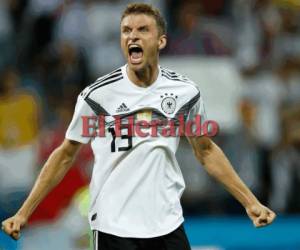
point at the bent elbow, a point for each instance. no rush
(203, 148)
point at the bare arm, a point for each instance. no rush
(218, 166)
(51, 174)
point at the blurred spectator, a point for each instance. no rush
(287, 41)
(61, 73)
(19, 126)
(288, 73)
(257, 22)
(6, 35)
(267, 90)
(285, 171)
(72, 25)
(41, 7)
(41, 37)
(244, 150)
(194, 34)
(67, 72)
(101, 32)
(5, 24)
(17, 12)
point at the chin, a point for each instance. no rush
(136, 67)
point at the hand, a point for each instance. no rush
(12, 226)
(260, 215)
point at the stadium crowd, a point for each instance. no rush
(51, 50)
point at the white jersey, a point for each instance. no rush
(136, 183)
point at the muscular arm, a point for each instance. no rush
(218, 166)
(51, 174)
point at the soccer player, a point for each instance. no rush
(136, 183)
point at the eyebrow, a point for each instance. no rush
(126, 27)
(140, 27)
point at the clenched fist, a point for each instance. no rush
(12, 226)
(260, 215)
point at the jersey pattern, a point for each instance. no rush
(136, 183)
(92, 96)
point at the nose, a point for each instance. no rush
(133, 35)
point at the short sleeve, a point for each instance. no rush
(74, 131)
(197, 113)
(196, 110)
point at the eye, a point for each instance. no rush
(126, 30)
(143, 29)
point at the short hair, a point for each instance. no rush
(147, 9)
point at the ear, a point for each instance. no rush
(162, 42)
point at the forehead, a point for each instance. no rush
(136, 20)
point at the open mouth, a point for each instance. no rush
(135, 53)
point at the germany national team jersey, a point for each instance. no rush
(136, 184)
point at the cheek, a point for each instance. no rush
(152, 46)
(122, 40)
(123, 45)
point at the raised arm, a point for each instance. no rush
(51, 174)
(218, 166)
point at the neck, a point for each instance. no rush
(143, 77)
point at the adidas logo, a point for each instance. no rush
(122, 108)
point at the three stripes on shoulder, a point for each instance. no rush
(114, 76)
(117, 75)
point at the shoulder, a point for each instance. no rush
(177, 78)
(105, 80)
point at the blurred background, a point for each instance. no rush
(245, 56)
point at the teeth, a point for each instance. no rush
(133, 46)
